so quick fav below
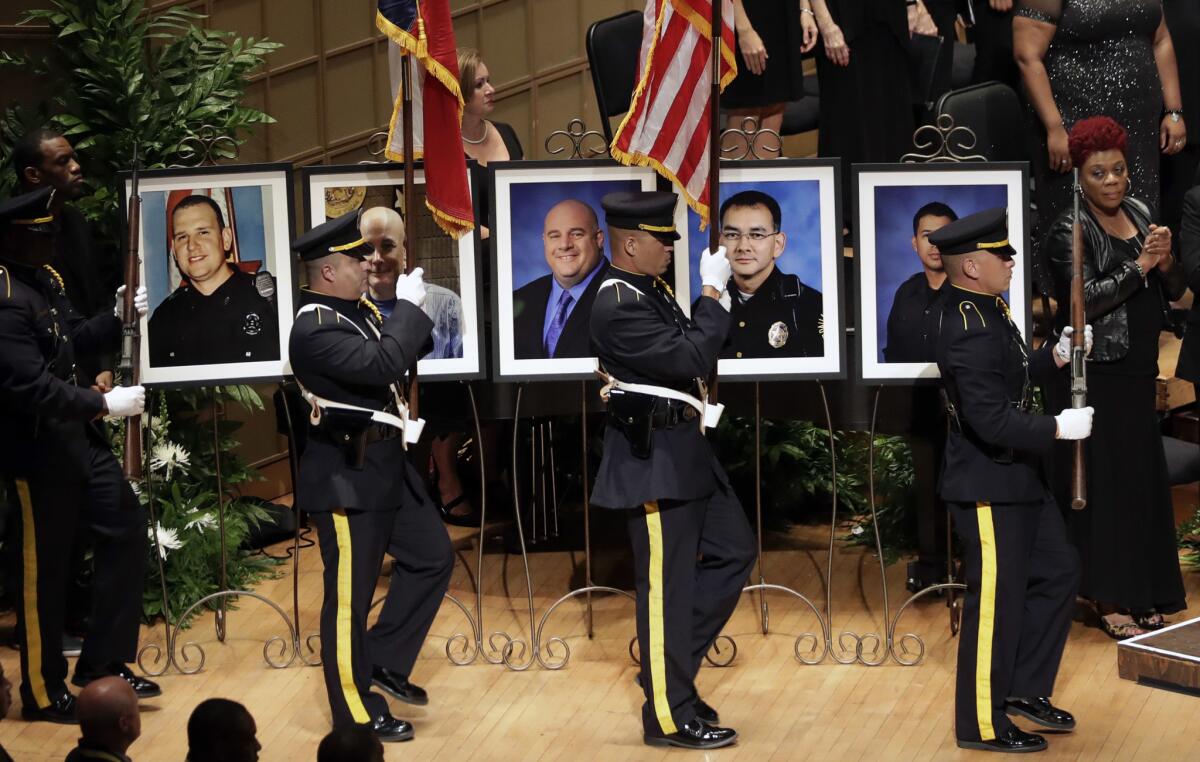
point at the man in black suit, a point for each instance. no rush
(550, 314)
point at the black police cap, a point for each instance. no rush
(651, 211)
(982, 231)
(29, 209)
(337, 236)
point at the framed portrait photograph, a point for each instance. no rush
(779, 222)
(551, 255)
(450, 267)
(901, 280)
(217, 266)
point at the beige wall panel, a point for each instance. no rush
(382, 85)
(347, 21)
(504, 42)
(557, 38)
(351, 155)
(294, 103)
(255, 147)
(466, 30)
(459, 4)
(349, 97)
(517, 111)
(242, 16)
(293, 23)
(594, 10)
(558, 102)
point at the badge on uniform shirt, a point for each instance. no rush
(777, 334)
(252, 325)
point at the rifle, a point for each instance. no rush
(131, 334)
(1078, 353)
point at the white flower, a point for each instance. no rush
(201, 522)
(168, 457)
(168, 539)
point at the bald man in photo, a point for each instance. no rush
(551, 313)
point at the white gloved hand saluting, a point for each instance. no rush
(141, 302)
(1063, 347)
(714, 269)
(1074, 423)
(125, 401)
(411, 287)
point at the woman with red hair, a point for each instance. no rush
(1126, 535)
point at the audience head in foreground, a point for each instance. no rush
(221, 730)
(351, 743)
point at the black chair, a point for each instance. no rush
(613, 46)
(993, 112)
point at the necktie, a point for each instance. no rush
(558, 322)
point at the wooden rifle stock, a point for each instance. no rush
(714, 162)
(131, 336)
(1078, 354)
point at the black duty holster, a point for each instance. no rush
(349, 430)
(633, 415)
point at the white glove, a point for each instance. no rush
(125, 401)
(141, 302)
(411, 287)
(714, 269)
(1063, 347)
(1074, 423)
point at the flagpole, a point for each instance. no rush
(410, 214)
(714, 154)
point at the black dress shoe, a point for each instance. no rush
(399, 687)
(388, 728)
(1040, 710)
(61, 711)
(1011, 741)
(141, 686)
(694, 735)
(706, 713)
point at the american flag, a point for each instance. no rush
(668, 124)
(422, 29)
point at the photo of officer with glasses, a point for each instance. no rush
(774, 314)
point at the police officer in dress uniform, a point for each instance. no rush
(658, 467)
(354, 480)
(61, 470)
(1022, 572)
(221, 314)
(775, 314)
(916, 315)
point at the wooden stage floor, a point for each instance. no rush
(782, 709)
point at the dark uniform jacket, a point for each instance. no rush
(645, 338)
(994, 449)
(44, 415)
(90, 277)
(783, 319)
(235, 323)
(1189, 263)
(912, 324)
(86, 753)
(529, 319)
(332, 359)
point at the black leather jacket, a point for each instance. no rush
(1109, 279)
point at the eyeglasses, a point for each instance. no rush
(732, 236)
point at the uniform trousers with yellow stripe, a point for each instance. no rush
(353, 544)
(691, 560)
(51, 508)
(1022, 574)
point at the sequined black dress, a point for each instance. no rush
(1101, 62)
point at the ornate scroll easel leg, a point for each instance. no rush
(222, 610)
(472, 647)
(854, 647)
(313, 657)
(764, 613)
(510, 645)
(153, 648)
(880, 653)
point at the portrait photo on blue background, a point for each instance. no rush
(552, 256)
(778, 224)
(214, 250)
(901, 276)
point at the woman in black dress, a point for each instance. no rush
(1126, 534)
(771, 36)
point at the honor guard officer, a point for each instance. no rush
(1021, 570)
(60, 470)
(658, 467)
(363, 497)
(774, 313)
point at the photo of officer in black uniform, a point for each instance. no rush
(774, 314)
(1022, 572)
(60, 470)
(912, 324)
(355, 482)
(658, 468)
(220, 314)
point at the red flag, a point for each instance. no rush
(423, 30)
(668, 125)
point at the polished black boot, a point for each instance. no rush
(1012, 741)
(61, 711)
(1040, 710)
(141, 686)
(399, 687)
(389, 729)
(694, 735)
